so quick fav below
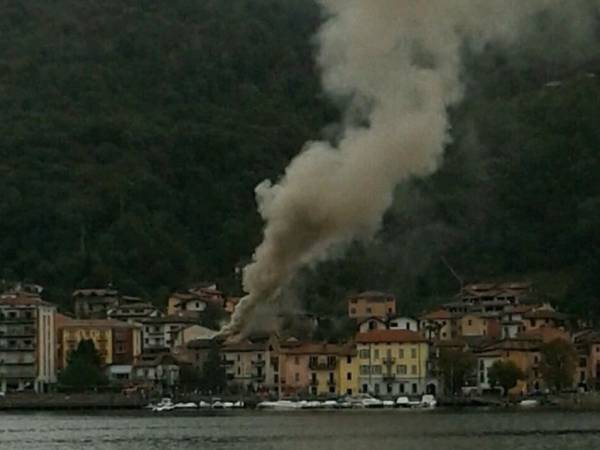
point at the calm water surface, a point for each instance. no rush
(334, 430)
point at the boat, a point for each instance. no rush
(364, 401)
(529, 403)
(189, 405)
(279, 405)
(165, 404)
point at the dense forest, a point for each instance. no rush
(133, 133)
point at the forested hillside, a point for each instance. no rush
(132, 135)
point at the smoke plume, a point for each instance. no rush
(397, 66)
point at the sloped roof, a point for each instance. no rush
(22, 299)
(392, 336)
(438, 314)
(373, 296)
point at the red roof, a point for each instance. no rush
(440, 314)
(380, 336)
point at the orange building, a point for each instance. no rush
(371, 304)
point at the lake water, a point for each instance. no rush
(333, 430)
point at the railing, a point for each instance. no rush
(389, 360)
(318, 365)
(389, 377)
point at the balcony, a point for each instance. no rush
(389, 377)
(331, 383)
(388, 361)
(322, 365)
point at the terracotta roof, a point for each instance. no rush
(440, 314)
(22, 299)
(515, 345)
(66, 322)
(373, 296)
(380, 336)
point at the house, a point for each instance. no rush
(133, 312)
(317, 369)
(440, 324)
(94, 303)
(196, 300)
(196, 351)
(27, 342)
(160, 333)
(391, 323)
(472, 324)
(526, 355)
(194, 332)
(160, 370)
(252, 365)
(402, 323)
(512, 321)
(117, 342)
(371, 304)
(587, 344)
(544, 317)
(392, 362)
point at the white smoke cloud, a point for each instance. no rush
(398, 65)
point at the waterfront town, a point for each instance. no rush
(390, 355)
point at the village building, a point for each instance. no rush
(371, 304)
(133, 312)
(391, 323)
(393, 362)
(161, 333)
(118, 343)
(94, 303)
(587, 344)
(545, 317)
(27, 342)
(441, 325)
(161, 371)
(196, 300)
(524, 353)
(317, 369)
(252, 365)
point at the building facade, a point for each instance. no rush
(371, 304)
(94, 303)
(392, 362)
(27, 343)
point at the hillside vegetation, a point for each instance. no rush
(132, 135)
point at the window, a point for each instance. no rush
(363, 353)
(332, 389)
(349, 359)
(296, 360)
(401, 370)
(390, 388)
(376, 370)
(239, 371)
(401, 353)
(413, 353)
(365, 388)
(402, 388)
(481, 377)
(296, 377)
(533, 322)
(349, 376)
(481, 364)
(239, 358)
(369, 311)
(259, 356)
(349, 391)
(364, 370)
(469, 322)
(413, 370)
(414, 388)
(276, 378)
(376, 386)
(376, 354)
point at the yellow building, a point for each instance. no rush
(393, 362)
(116, 342)
(348, 371)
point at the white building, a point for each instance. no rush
(27, 342)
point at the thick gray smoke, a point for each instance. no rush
(398, 65)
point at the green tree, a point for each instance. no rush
(559, 361)
(455, 367)
(213, 378)
(505, 374)
(84, 368)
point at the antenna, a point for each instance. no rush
(453, 272)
